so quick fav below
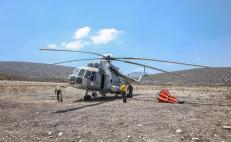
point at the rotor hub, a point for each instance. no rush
(108, 56)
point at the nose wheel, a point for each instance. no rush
(94, 94)
(87, 97)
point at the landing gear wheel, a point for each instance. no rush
(94, 94)
(87, 97)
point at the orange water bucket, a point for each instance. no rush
(165, 97)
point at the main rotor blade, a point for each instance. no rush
(138, 64)
(121, 75)
(165, 61)
(68, 61)
(64, 50)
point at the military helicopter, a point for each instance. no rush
(103, 76)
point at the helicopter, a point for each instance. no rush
(103, 76)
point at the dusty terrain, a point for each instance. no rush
(29, 112)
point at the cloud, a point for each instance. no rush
(52, 45)
(82, 32)
(74, 45)
(63, 43)
(105, 35)
(80, 40)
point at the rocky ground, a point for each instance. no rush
(29, 112)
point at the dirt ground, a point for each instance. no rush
(29, 112)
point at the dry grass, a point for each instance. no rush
(29, 111)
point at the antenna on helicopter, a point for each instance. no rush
(144, 72)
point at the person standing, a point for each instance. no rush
(123, 89)
(58, 92)
(130, 90)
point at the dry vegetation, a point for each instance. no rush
(201, 76)
(26, 71)
(30, 112)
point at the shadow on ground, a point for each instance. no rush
(107, 98)
(98, 100)
(77, 108)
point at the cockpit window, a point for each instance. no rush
(93, 76)
(75, 72)
(81, 73)
(87, 74)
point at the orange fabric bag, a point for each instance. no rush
(165, 97)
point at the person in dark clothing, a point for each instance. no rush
(130, 90)
(58, 92)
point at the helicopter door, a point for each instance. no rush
(102, 82)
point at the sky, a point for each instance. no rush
(192, 31)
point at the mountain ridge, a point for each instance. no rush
(197, 76)
(28, 71)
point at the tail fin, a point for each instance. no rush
(140, 78)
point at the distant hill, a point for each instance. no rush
(202, 76)
(33, 71)
(27, 71)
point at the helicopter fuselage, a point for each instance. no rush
(95, 77)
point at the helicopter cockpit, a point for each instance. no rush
(83, 73)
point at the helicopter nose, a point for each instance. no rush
(78, 80)
(72, 79)
(75, 80)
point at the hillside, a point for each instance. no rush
(202, 76)
(27, 71)
(33, 71)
